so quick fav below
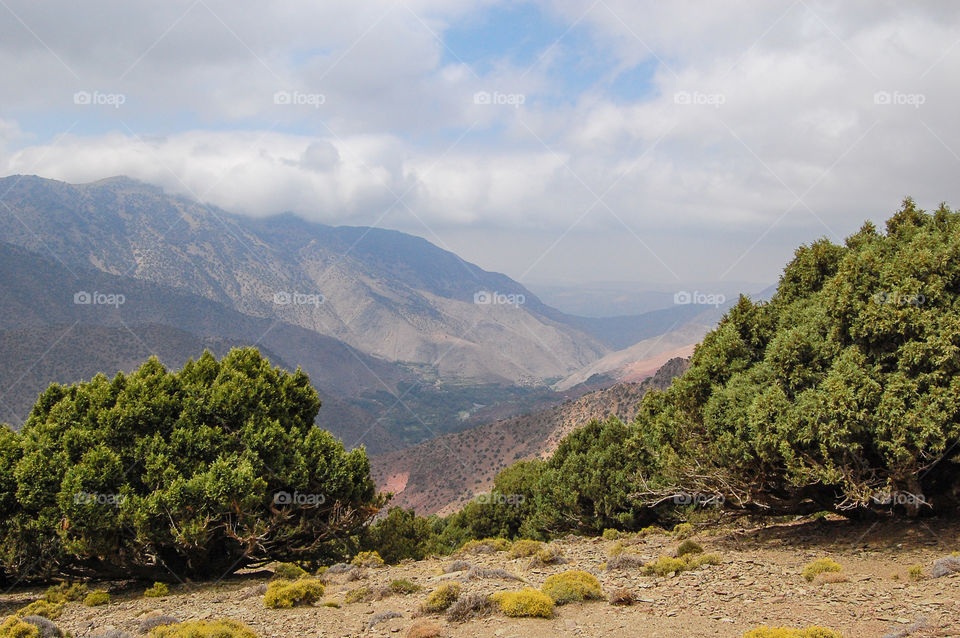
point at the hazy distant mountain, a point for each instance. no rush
(390, 295)
(403, 340)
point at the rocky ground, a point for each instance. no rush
(758, 582)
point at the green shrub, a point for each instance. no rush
(399, 535)
(41, 608)
(572, 587)
(699, 560)
(523, 548)
(65, 592)
(683, 530)
(204, 629)
(215, 444)
(404, 586)
(651, 530)
(688, 547)
(441, 598)
(284, 594)
(547, 555)
(158, 590)
(834, 386)
(367, 559)
(611, 534)
(97, 598)
(915, 572)
(665, 566)
(288, 571)
(13, 627)
(358, 595)
(819, 566)
(527, 602)
(785, 632)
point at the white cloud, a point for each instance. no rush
(782, 114)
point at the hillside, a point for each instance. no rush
(443, 473)
(757, 582)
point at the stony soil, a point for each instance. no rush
(758, 583)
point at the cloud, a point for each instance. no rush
(784, 121)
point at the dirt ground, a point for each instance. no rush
(758, 582)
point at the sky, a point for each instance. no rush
(557, 141)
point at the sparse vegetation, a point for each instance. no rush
(97, 598)
(284, 594)
(915, 572)
(65, 592)
(683, 530)
(819, 566)
(688, 547)
(572, 587)
(441, 598)
(622, 597)
(41, 608)
(46, 627)
(289, 571)
(524, 548)
(367, 559)
(527, 602)
(470, 606)
(149, 624)
(785, 632)
(14, 627)
(158, 590)
(204, 629)
(404, 586)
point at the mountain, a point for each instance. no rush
(384, 293)
(441, 474)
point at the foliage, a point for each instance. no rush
(469, 606)
(204, 629)
(688, 547)
(786, 632)
(400, 534)
(367, 559)
(524, 547)
(820, 566)
(441, 598)
(288, 571)
(46, 627)
(527, 602)
(97, 598)
(65, 592)
(839, 394)
(915, 572)
(13, 627)
(41, 608)
(485, 546)
(572, 586)
(189, 471)
(404, 586)
(158, 590)
(284, 594)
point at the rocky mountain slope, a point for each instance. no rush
(441, 474)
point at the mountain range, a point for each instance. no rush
(402, 339)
